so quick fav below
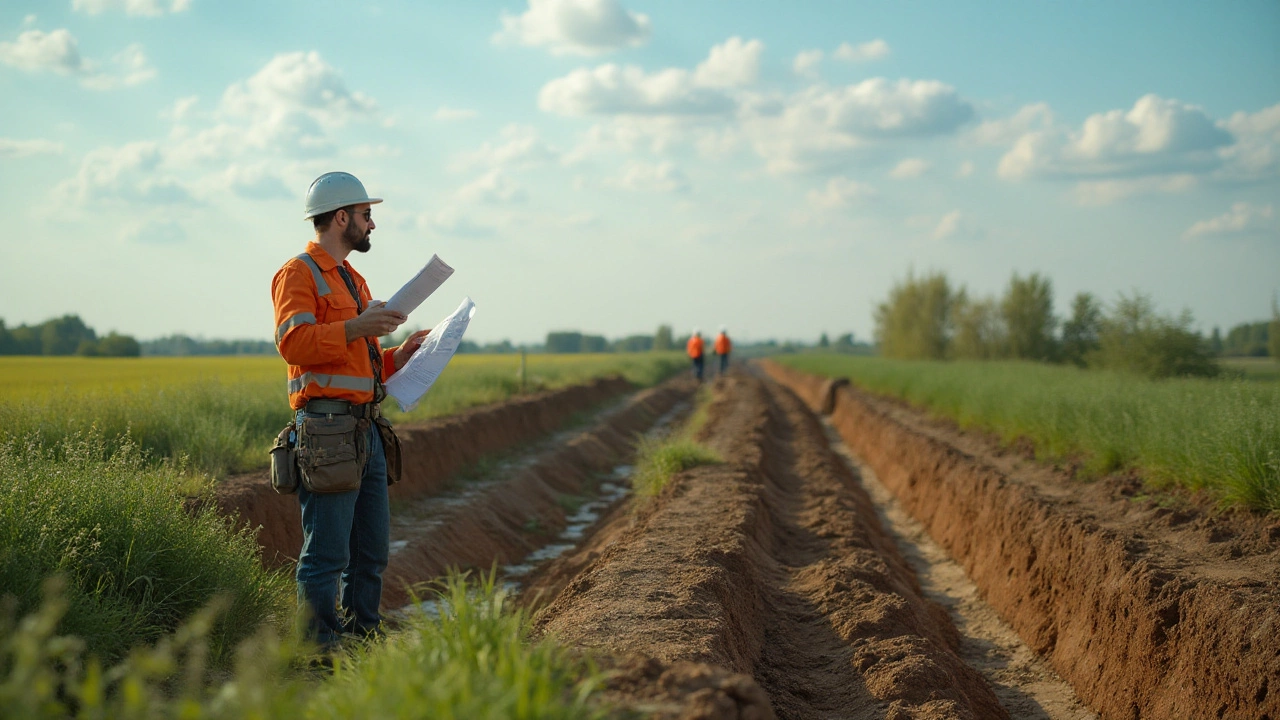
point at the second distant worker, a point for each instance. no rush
(694, 348)
(722, 348)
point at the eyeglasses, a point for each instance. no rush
(368, 215)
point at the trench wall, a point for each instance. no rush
(1134, 639)
(431, 454)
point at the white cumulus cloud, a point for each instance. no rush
(733, 63)
(840, 192)
(1006, 131)
(653, 177)
(1241, 218)
(517, 146)
(615, 90)
(909, 168)
(579, 27)
(130, 173)
(950, 226)
(873, 50)
(806, 63)
(10, 148)
(1155, 136)
(35, 50)
(1106, 192)
(131, 7)
(823, 128)
(492, 188)
(1256, 154)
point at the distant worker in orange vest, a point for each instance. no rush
(694, 348)
(722, 348)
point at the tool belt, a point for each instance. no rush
(326, 406)
(329, 454)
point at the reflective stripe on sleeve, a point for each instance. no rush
(296, 320)
(342, 382)
(322, 287)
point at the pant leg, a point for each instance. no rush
(724, 363)
(369, 539)
(326, 528)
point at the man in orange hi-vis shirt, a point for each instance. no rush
(327, 331)
(694, 348)
(722, 348)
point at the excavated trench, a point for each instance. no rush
(1148, 611)
(764, 586)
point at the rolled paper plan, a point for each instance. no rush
(420, 286)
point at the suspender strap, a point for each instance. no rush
(375, 359)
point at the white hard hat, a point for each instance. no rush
(696, 331)
(724, 328)
(334, 190)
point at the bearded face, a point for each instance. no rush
(355, 237)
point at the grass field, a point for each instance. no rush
(1220, 436)
(221, 413)
(1261, 369)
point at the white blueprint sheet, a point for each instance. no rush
(412, 381)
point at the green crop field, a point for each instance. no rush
(221, 413)
(1221, 436)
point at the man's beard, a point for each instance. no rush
(352, 236)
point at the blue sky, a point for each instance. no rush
(609, 165)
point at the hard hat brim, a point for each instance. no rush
(334, 206)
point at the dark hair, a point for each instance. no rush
(322, 221)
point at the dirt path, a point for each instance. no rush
(1026, 686)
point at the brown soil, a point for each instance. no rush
(763, 585)
(432, 454)
(1149, 611)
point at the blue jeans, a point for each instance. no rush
(697, 367)
(348, 536)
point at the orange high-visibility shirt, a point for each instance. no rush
(694, 348)
(723, 346)
(311, 304)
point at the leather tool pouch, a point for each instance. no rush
(330, 455)
(284, 461)
(391, 447)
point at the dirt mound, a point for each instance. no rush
(1141, 608)
(432, 453)
(503, 520)
(771, 566)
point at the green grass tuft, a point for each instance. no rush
(657, 461)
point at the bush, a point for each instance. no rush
(1133, 338)
(137, 561)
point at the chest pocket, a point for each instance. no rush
(338, 305)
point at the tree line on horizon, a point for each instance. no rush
(928, 317)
